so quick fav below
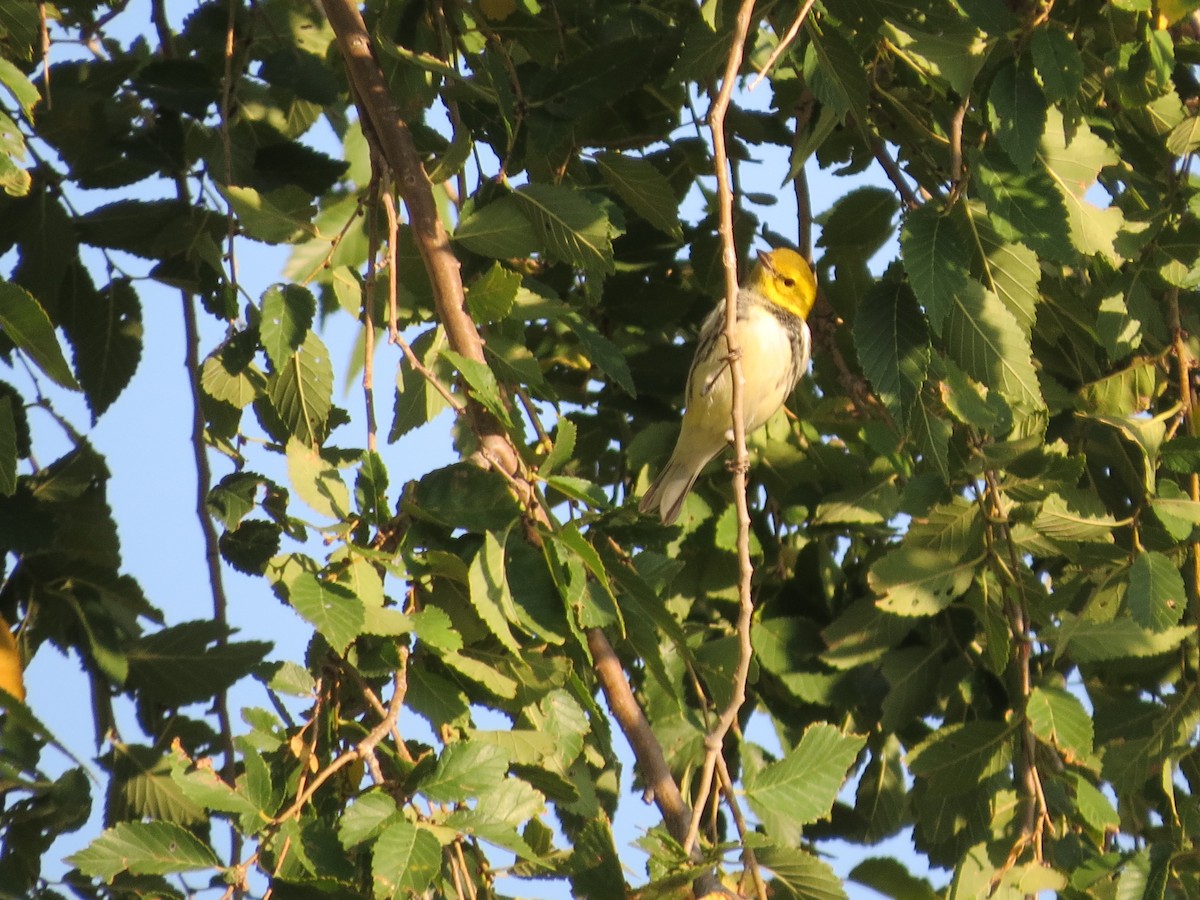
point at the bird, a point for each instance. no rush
(776, 345)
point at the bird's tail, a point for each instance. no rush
(673, 483)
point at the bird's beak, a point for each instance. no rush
(765, 259)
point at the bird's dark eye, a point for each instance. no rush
(789, 282)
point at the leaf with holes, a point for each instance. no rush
(916, 581)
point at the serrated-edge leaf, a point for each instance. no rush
(571, 226)
(563, 449)
(800, 788)
(985, 339)
(1017, 111)
(917, 581)
(1088, 641)
(644, 188)
(26, 324)
(490, 598)
(936, 259)
(1157, 596)
(328, 607)
(144, 848)
(287, 315)
(404, 861)
(302, 392)
(893, 346)
(1059, 719)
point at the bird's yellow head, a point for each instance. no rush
(784, 277)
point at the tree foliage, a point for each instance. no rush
(973, 533)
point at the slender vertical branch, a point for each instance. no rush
(715, 739)
(368, 301)
(204, 477)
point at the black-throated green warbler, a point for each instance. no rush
(776, 345)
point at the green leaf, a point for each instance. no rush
(328, 607)
(1058, 718)
(800, 788)
(1017, 112)
(833, 71)
(1025, 208)
(302, 390)
(483, 384)
(1058, 519)
(916, 581)
(893, 346)
(1157, 597)
(1184, 137)
(18, 84)
(465, 769)
(105, 331)
(317, 482)
(277, 217)
(802, 873)
(490, 296)
(1093, 806)
(644, 188)
(1012, 271)
(490, 595)
(1179, 515)
(569, 225)
(143, 848)
(956, 758)
(367, 817)
(1087, 641)
(404, 861)
(563, 449)
(936, 259)
(859, 223)
(8, 447)
(1058, 62)
(499, 230)
(951, 56)
(891, 878)
(580, 489)
(189, 662)
(984, 338)
(1074, 159)
(418, 402)
(26, 324)
(931, 431)
(287, 316)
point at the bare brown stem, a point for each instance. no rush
(367, 314)
(793, 30)
(714, 740)
(895, 176)
(393, 220)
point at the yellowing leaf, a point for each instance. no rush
(12, 678)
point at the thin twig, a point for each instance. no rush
(956, 151)
(393, 221)
(368, 304)
(715, 738)
(793, 30)
(739, 821)
(204, 478)
(895, 176)
(227, 139)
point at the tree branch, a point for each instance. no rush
(714, 740)
(382, 123)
